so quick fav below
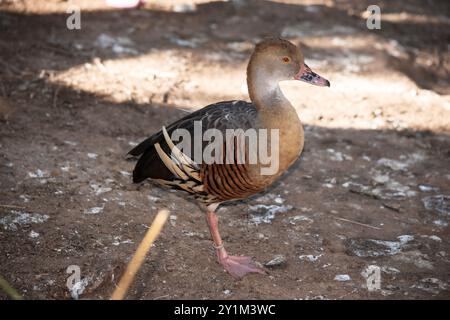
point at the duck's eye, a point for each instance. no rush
(286, 59)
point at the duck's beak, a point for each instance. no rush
(307, 75)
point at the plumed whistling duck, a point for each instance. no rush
(272, 61)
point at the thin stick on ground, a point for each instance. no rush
(358, 223)
(11, 206)
(10, 291)
(55, 97)
(139, 256)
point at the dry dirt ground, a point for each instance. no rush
(371, 188)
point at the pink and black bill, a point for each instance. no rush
(307, 75)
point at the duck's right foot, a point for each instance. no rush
(239, 266)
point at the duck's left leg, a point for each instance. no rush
(236, 266)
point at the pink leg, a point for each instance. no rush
(236, 266)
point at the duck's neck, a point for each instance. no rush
(265, 92)
(276, 112)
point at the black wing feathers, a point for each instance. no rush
(222, 115)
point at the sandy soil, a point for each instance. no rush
(371, 188)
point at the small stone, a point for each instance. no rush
(431, 285)
(266, 213)
(310, 257)
(18, 218)
(427, 188)
(25, 198)
(278, 200)
(440, 223)
(98, 189)
(70, 143)
(435, 238)
(393, 164)
(376, 248)
(33, 234)
(173, 220)
(37, 174)
(297, 219)
(94, 210)
(153, 198)
(390, 270)
(439, 203)
(278, 261)
(261, 236)
(342, 277)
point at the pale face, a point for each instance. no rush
(280, 62)
(284, 61)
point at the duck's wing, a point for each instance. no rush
(160, 160)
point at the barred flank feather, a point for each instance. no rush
(163, 162)
(185, 170)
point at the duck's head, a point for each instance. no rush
(278, 59)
